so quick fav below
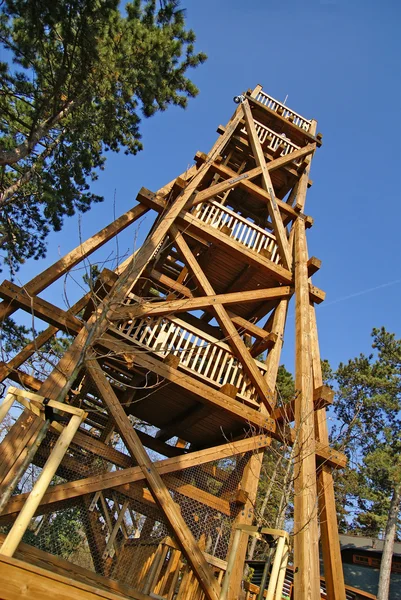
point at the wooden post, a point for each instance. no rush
(6, 405)
(252, 470)
(231, 563)
(274, 574)
(306, 538)
(18, 529)
(333, 569)
(281, 575)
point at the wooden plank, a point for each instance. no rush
(184, 422)
(21, 580)
(59, 268)
(184, 305)
(306, 536)
(234, 340)
(158, 488)
(114, 479)
(274, 211)
(327, 506)
(34, 556)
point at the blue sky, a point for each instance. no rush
(339, 62)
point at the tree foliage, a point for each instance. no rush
(368, 406)
(79, 76)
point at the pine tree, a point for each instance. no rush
(368, 406)
(78, 77)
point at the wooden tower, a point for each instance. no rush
(171, 339)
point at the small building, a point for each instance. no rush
(361, 557)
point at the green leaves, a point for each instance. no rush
(80, 76)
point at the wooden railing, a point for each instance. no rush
(283, 110)
(242, 230)
(270, 139)
(199, 352)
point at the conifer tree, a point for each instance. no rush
(369, 408)
(77, 76)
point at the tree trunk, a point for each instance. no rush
(391, 527)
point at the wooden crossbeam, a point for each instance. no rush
(157, 486)
(59, 268)
(234, 340)
(39, 341)
(244, 324)
(129, 475)
(233, 182)
(177, 306)
(217, 399)
(195, 227)
(274, 211)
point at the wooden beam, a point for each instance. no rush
(234, 340)
(247, 326)
(157, 487)
(194, 226)
(322, 396)
(215, 398)
(39, 341)
(41, 308)
(304, 180)
(306, 536)
(134, 311)
(313, 265)
(233, 182)
(254, 190)
(114, 479)
(274, 211)
(59, 268)
(333, 569)
(21, 580)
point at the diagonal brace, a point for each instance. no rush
(235, 341)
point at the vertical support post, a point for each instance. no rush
(281, 575)
(5, 406)
(21, 523)
(333, 569)
(231, 563)
(278, 557)
(306, 538)
(252, 470)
